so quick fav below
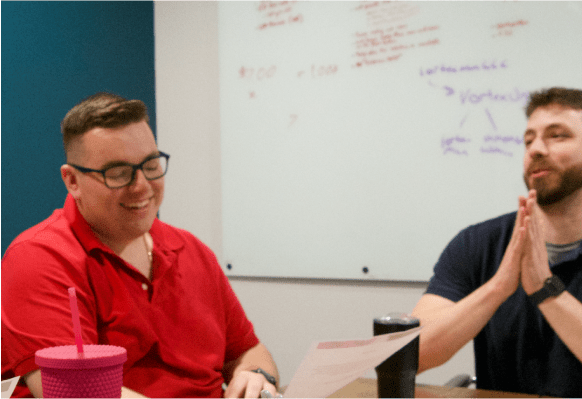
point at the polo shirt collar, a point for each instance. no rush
(81, 228)
(165, 238)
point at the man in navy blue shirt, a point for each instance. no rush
(514, 283)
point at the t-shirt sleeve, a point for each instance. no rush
(35, 304)
(453, 276)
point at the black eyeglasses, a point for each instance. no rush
(122, 175)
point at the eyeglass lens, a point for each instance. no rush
(119, 176)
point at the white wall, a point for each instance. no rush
(288, 314)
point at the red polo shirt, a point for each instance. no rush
(179, 329)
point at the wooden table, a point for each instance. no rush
(367, 388)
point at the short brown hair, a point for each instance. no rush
(556, 95)
(101, 110)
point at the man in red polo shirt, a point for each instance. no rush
(151, 288)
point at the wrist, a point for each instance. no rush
(271, 379)
(551, 288)
(533, 283)
(501, 287)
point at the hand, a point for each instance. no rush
(249, 384)
(507, 276)
(128, 393)
(535, 268)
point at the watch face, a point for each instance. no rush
(553, 286)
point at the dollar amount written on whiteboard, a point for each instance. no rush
(264, 73)
(257, 74)
(318, 71)
(323, 70)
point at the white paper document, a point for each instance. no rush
(329, 366)
(8, 386)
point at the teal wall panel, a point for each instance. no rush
(54, 54)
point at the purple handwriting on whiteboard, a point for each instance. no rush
(491, 119)
(448, 69)
(471, 96)
(452, 150)
(504, 139)
(492, 145)
(447, 145)
(475, 97)
(494, 142)
(448, 141)
(495, 150)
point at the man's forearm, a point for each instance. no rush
(448, 326)
(564, 314)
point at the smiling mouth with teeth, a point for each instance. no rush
(136, 205)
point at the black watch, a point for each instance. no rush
(272, 380)
(553, 286)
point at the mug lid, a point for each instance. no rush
(66, 356)
(399, 318)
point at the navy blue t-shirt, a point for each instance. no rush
(517, 350)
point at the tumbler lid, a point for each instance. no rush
(398, 318)
(66, 356)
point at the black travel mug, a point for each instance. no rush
(397, 374)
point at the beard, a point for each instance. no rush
(549, 191)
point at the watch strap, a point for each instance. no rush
(272, 380)
(553, 287)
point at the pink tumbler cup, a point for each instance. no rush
(96, 373)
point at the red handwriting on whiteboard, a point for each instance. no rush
(386, 12)
(367, 5)
(278, 13)
(507, 28)
(324, 70)
(318, 71)
(258, 74)
(378, 46)
(388, 36)
(290, 20)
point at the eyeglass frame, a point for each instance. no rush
(134, 167)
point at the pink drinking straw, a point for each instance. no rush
(76, 320)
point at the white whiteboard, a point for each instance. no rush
(367, 134)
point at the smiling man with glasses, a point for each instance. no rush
(141, 284)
